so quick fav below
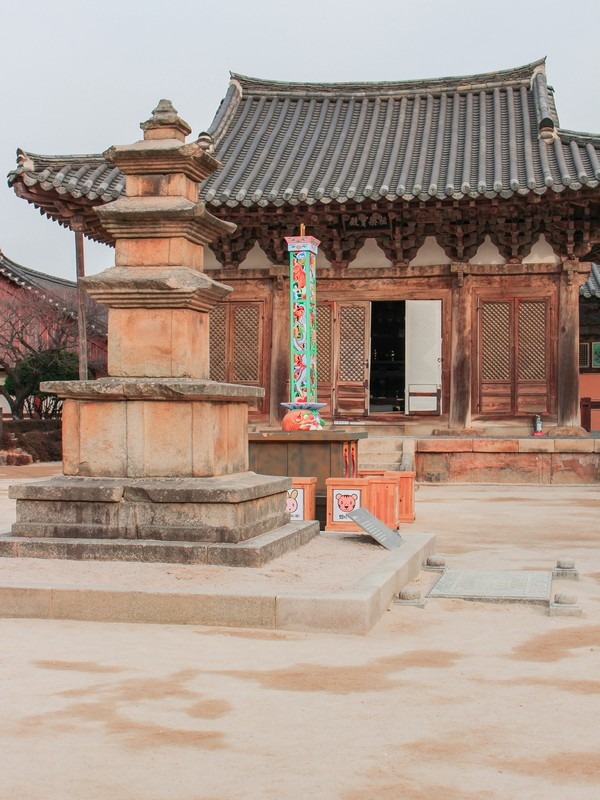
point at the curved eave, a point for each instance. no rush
(422, 197)
(62, 207)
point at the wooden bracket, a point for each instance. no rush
(459, 269)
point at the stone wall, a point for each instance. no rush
(479, 460)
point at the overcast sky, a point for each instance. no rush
(78, 76)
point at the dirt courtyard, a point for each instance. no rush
(457, 700)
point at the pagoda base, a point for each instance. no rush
(255, 552)
(231, 519)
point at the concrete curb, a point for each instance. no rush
(353, 611)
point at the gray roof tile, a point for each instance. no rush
(30, 278)
(491, 135)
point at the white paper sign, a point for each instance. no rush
(295, 503)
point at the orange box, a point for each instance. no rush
(406, 495)
(368, 473)
(383, 500)
(345, 494)
(301, 499)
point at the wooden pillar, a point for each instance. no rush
(460, 354)
(280, 351)
(567, 373)
(81, 311)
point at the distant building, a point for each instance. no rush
(38, 298)
(457, 222)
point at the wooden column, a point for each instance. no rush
(280, 351)
(567, 373)
(77, 225)
(460, 354)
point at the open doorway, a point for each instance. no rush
(406, 364)
(388, 356)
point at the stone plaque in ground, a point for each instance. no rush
(516, 586)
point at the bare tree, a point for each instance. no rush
(32, 323)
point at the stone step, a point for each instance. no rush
(388, 466)
(252, 553)
(381, 445)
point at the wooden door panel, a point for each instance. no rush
(496, 397)
(423, 356)
(352, 330)
(532, 391)
(247, 353)
(325, 357)
(237, 352)
(218, 342)
(514, 347)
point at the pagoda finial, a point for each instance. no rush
(165, 123)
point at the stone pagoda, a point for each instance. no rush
(155, 456)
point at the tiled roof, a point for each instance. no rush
(59, 293)
(495, 134)
(25, 277)
(591, 288)
(89, 176)
(490, 135)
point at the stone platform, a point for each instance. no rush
(342, 584)
(239, 520)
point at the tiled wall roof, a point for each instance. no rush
(25, 277)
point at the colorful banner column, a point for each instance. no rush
(303, 414)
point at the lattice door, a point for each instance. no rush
(247, 345)
(325, 356)
(513, 338)
(532, 390)
(352, 330)
(236, 344)
(218, 343)
(495, 358)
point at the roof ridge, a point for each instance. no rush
(31, 274)
(522, 74)
(43, 157)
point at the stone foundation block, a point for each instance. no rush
(575, 468)
(495, 446)
(232, 509)
(536, 445)
(443, 445)
(110, 438)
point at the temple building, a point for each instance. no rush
(458, 223)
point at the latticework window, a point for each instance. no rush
(218, 343)
(532, 341)
(246, 349)
(495, 342)
(324, 343)
(584, 355)
(352, 343)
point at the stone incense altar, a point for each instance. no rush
(155, 456)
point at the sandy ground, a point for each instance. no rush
(459, 700)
